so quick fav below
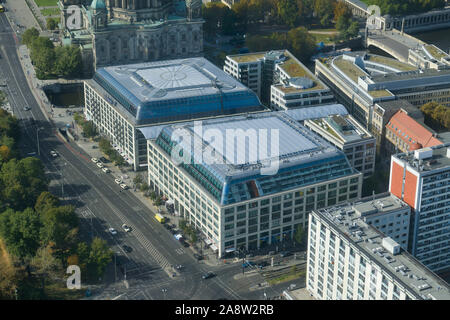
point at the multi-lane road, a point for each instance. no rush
(102, 204)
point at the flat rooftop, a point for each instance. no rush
(411, 75)
(439, 159)
(415, 277)
(343, 128)
(247, 57)
(178, 89)
(295, 141)
(378, 205)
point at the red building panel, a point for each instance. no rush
(410, 189)
(396, 179)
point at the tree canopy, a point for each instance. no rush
(406, 6)
(437, 116)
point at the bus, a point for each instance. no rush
(2, 8)
(160, 218)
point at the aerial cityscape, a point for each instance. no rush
(255, 151)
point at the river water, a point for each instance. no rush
(440, 38)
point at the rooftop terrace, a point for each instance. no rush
(402, 267)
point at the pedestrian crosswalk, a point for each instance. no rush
(179, 251)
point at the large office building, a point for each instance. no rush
(421, 179)
(348, 259)
(237, 200)
(122, 99)
(348, 135)
(113, 32)
(360, 80)
(279, 79)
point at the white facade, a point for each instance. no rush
(250, 223)
(345, 265)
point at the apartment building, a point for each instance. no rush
(239, 204)
(122, 99)
(421, 179)
(348, 135)
(279, 79)
(348, 259)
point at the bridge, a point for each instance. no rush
(393, 42)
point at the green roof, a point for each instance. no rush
(98, 4)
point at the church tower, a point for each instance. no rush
(194, 9)
(99, 14)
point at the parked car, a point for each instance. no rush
(198, 257)
(100, 165)
(118, 181)
(126, 228)
(127, 249)
(95, 160)
(104, 160)
(184, 243)
(123, 186)
(26, 108)
(53, 154)
(263, 264)
(285, 254)
(112, 231)
(167, 226)
(106, 170)
(208, 275)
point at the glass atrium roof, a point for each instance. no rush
(176, 90)
(237, 169)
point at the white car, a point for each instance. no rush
(118, 181)
(126, 228)
(95, 160)
(106, 170)
(112, 231)
(99, 164)
(124, 186)
(53, 154)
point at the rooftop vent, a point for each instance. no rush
(391, 246)
(424, 153)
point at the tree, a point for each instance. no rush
(299, 235)
(45, 201)
(22, 182)
(89, 129)
(29, 35)
(353, 29)
(68, 61)
(45, 264)
(100, 256)
(301, 43)
(138, 179)
(42, 55)
(20, 231)
(59, 230)
(341, 9)
(52, 24)
(287, 11)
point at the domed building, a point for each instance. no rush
(112, 32)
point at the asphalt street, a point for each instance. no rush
(102, 204)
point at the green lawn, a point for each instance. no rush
(325, 38)
(46, 3)
(287, 277)
(50, 12)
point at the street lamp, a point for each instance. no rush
(37, 139)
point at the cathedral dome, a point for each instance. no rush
(98, 4)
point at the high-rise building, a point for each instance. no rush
(348, 259)
(421, 178)
(122, 99)
(241, 203)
